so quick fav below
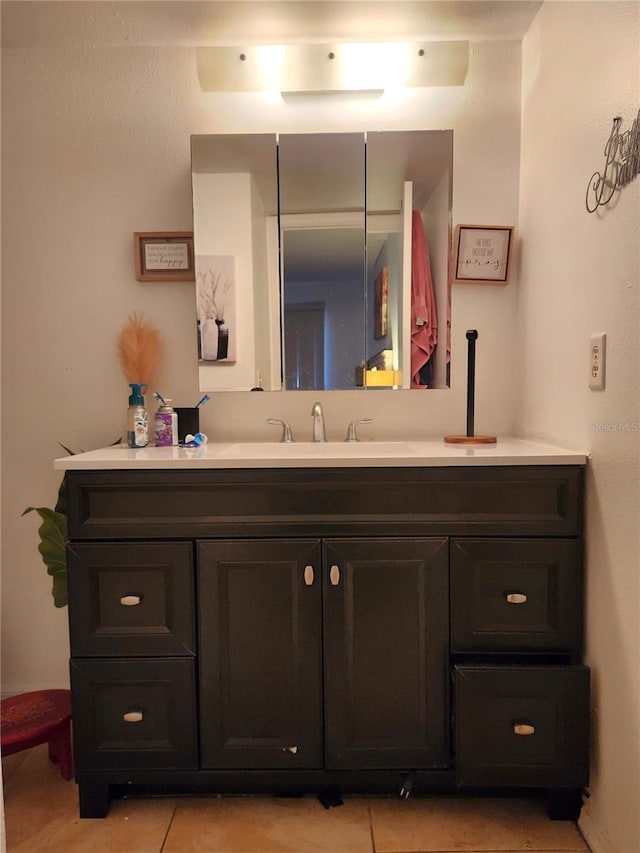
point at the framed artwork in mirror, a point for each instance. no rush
(380, 303)
(482, 254)
(164, 255)
(215, 306)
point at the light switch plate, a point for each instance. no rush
(597, 360)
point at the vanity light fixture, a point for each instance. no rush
(340, 67)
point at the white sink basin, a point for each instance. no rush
(318, 450)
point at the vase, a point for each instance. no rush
(209, 340)
(223, 339)
(199, 338)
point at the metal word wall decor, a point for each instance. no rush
(622, 164)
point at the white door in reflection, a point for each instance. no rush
(304, 346)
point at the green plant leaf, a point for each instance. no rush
(52, 547)
(61, 503)
(67, 450)
(53, 537)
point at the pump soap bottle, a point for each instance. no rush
(137, 418)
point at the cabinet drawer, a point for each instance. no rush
(131, 599)
(134, 714)
(522, 726)
(516, 595)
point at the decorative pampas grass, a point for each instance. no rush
(140, 350)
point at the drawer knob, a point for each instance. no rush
(523, 729)
(516, 598)
(308, 575)
(334, 575)
(133, 717)
(130, 600)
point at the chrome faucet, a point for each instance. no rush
(287, 435)
(318, 423)
(352, 434)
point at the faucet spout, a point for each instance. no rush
(318, 423)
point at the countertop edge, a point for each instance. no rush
(433, 455)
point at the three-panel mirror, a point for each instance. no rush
(322, 260)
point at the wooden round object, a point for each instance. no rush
(470, 439)
(43, 716)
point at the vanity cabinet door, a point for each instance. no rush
(386, 651)
(260, 653)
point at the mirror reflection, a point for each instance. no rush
(323, 279)
(323, 254)
(328, 255)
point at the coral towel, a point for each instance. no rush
(424, 319)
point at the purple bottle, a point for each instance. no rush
(166, 425)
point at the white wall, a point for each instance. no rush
(95, 146)
(579, 274)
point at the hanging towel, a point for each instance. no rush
(449, 280)
(424, 321)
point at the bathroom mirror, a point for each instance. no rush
(304, 247)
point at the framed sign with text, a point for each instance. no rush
(482, 254)
(164, 255)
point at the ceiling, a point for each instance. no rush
(83, 23)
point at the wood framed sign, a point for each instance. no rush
(164, 255)
(483, 254)
(380, 303)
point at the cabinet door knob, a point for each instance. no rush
(334, 575)
(308, 575)
(133, 717)
(516, 598)
(523, 729)
(130, 600)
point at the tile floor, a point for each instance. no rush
(41, 817)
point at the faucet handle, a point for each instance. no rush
(351, 432)
(286, 429)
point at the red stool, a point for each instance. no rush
(43, 716)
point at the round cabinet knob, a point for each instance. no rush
(334, 575)
(308, 575)
(130, 600)
(523, 729)
(516, 598)
(133, 717)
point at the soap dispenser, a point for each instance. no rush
(137, 417)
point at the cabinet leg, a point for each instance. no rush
(94, 799)
(564, 803)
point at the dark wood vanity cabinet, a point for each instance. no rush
(294, 629)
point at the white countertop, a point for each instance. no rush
(388, 454)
